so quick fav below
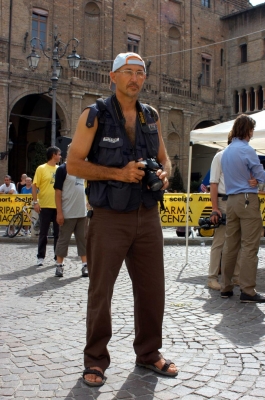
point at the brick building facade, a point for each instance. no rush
(196, 76)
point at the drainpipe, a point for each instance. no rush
(190, 48)
(112, 44)
(9, 70)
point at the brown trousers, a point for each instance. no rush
(243, 227)
(135, 237)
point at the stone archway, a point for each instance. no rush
(173, 147)
(30, 122)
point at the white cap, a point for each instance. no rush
(126, 59)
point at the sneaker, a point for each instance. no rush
(84, 271)
(225, 295)
(214, 284)
(40, 262)
(257, 298)
(5, 235)
(59, 270)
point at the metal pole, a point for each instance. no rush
(188, 203)
(54, 80)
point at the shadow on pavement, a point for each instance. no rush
(29, 271)
(135, 386)
(241, 323)
(51, 283)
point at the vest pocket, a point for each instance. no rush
(118, 194)
(110, 151)
(97, 194)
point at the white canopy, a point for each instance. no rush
(216, 136)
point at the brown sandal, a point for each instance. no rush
(162, 371)
(93, 372)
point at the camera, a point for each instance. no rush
(153, 181)
(205, 223)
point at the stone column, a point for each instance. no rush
(185, 146)
(77, 98)
(163, 114)
(263, 106)
(3, 126)
(248, 100)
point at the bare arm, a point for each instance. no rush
(214, 199)
(34, 197)
(58, 202)
(163, 158)
(80, 147)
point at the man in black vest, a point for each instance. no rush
(127, 169)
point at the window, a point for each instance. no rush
(244, 53)
(260, 98)
(174, 56)
(92, 29)
(206, 3)
(236, 102)
(133, 43)
(206, 71)
(251, 99)
(222, 57)
(39, 26)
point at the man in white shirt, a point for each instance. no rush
(219, 200)
(8, 187)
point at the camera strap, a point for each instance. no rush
(118, 109)
(139, 110)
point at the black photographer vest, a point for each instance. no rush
(112, 148)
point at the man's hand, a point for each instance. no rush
(132, 173)
(59, 218)
(253, 182)
(163, 176)
(214, 217)
(37, 208)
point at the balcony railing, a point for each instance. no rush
(98, 74)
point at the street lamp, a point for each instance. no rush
(9, 147)
(59, 50)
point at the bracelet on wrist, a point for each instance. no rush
(35, 202)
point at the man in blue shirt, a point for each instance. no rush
(28, 188)
(243, 219)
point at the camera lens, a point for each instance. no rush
(153, 181)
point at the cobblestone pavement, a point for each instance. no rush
(218, 344)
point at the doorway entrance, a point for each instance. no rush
(30, 123)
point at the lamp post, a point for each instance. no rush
(59, 50)
(9, 147)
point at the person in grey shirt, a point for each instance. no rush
(243, 218)
(71, 216)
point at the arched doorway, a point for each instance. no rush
(30, 122)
